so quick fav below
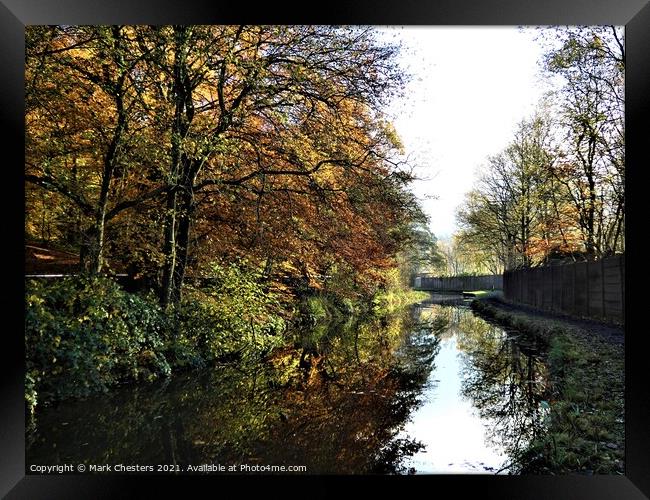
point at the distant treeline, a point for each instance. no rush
(557, 190)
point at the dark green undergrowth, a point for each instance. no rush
(585, 426)
(85, 335)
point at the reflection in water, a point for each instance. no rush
(331, 403)
(486, 402)
(392, 395)
(507, 381)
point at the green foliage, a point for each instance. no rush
(316, 308)
(233, 316)
(83, 335)
(394, 295)
(325, 307)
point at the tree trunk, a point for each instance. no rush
(182, 242)
(183, 115)
(110, 159)
(169, 251)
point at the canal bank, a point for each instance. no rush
(586, 368)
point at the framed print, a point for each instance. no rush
(149, 131)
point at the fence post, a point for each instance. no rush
(621, 267)
(573, 288)
(602, 285)
(563, 294)
(550, 268)
(588, 290)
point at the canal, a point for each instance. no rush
(433, 389)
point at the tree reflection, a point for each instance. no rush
(334, 402)
(347, 421)
(506, 379)
(412, 365)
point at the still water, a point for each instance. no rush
(434, 389)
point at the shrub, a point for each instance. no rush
(84, 334)
(233, 316)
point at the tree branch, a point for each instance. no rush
(51, 184)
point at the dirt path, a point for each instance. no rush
(611, 333)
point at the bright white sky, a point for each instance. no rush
(470, 88)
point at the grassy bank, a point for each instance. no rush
(585, 430)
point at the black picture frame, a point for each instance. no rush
(16, 14)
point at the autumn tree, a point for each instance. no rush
(508, 211)
(265, 112)
(198, 143)
(591, 64)
(83, 125)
